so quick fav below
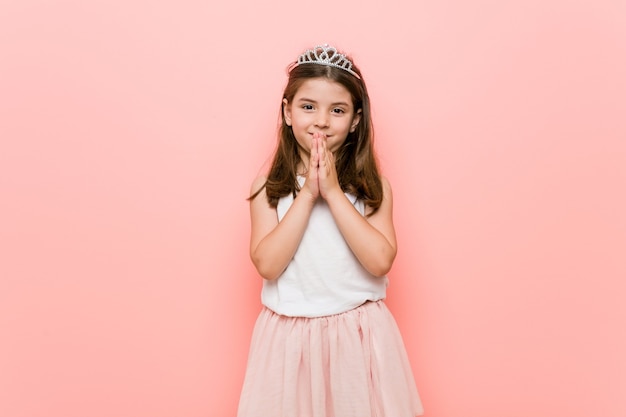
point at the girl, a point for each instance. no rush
(323, 239)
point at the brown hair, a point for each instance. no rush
(355, 160)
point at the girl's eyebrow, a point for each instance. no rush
(339, 103)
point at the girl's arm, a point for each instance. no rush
(272, 243)
(372, 239)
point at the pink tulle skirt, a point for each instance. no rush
(352, 364)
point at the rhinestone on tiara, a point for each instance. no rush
(325, 55)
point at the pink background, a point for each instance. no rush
(130, 133)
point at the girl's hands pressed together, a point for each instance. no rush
(321, 178)
(327, 171)
(311, 184)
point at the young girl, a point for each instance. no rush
(323, 239)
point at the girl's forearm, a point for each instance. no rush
(368, 244)
(274, 252)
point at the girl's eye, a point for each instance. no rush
(338, 111)
(307, 107)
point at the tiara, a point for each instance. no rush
(325, 55)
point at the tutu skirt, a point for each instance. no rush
(352, 364)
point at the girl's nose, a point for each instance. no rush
(322, 120)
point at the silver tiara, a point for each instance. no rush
(326, 55)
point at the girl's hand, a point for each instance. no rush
(327, 172)
(311, 184)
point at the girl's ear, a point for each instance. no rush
(287, 112)
(355, 120)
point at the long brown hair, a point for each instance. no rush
(355, 160)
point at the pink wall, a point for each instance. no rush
(130, 132)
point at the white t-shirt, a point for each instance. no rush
(324, 277)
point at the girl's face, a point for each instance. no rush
(324, 106)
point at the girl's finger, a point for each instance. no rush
(314, 153)
(319, 145)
